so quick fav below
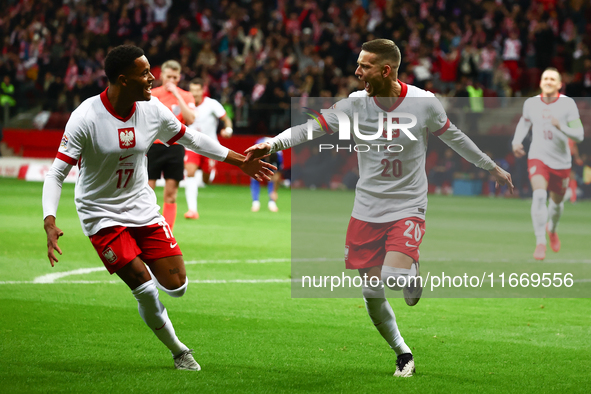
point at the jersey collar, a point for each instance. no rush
(553, 101)
(403, 91)
(111, 110)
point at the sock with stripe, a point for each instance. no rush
(155, 316)
(539, 215)
(383, 317)
(554, 213)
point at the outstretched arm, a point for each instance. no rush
(208, 147)
(285, 140)
(466, 148)
(257, 169)
(52, 190)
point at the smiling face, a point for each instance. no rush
(139, 80)
(550, 83)
(374, 73)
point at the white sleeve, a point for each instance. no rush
(202, 144)
(325, 123)
(172, 131)
(218, 109)
(52, 187)
(294, 136)
(283, 140)
(523, 126)
(521, 130)
(574, 133)
(465, 147)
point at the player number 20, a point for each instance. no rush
(396, 166)
(123, 177)
(409, 230)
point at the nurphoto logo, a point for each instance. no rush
(388, 127)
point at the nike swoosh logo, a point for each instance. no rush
(411, 245)
(173, 245)
(161, 327)
(123, 158)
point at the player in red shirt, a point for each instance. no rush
(169, 161)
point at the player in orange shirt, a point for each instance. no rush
(169, 161)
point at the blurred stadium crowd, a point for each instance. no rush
(263, 52)
(257, 54)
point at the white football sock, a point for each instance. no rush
(395, 278)
(191, 191)
(383, 317)
(155, 316)
(554, 213)
(539, 215)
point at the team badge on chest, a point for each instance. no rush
(126, 138)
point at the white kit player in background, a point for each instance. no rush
(208, 113)
(388, 219)
(108, 137)
(555, 118)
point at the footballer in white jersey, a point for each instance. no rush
(387, 223)
(393, 170)
(208, 112)
(392, 182)
(207, 117)
(112, 188)
(549, 144)
(554, 119)
(108, 136)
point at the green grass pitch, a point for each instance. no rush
(82, 333)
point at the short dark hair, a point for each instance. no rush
(384, 48)
(119, 59)
(197, 81)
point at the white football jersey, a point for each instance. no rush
(392, 185)
(207, 117)
(112, 187)
(549, 144)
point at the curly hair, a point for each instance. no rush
(119, 59)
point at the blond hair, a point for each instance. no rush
(171, 64)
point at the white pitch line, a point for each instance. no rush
(50, 278)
